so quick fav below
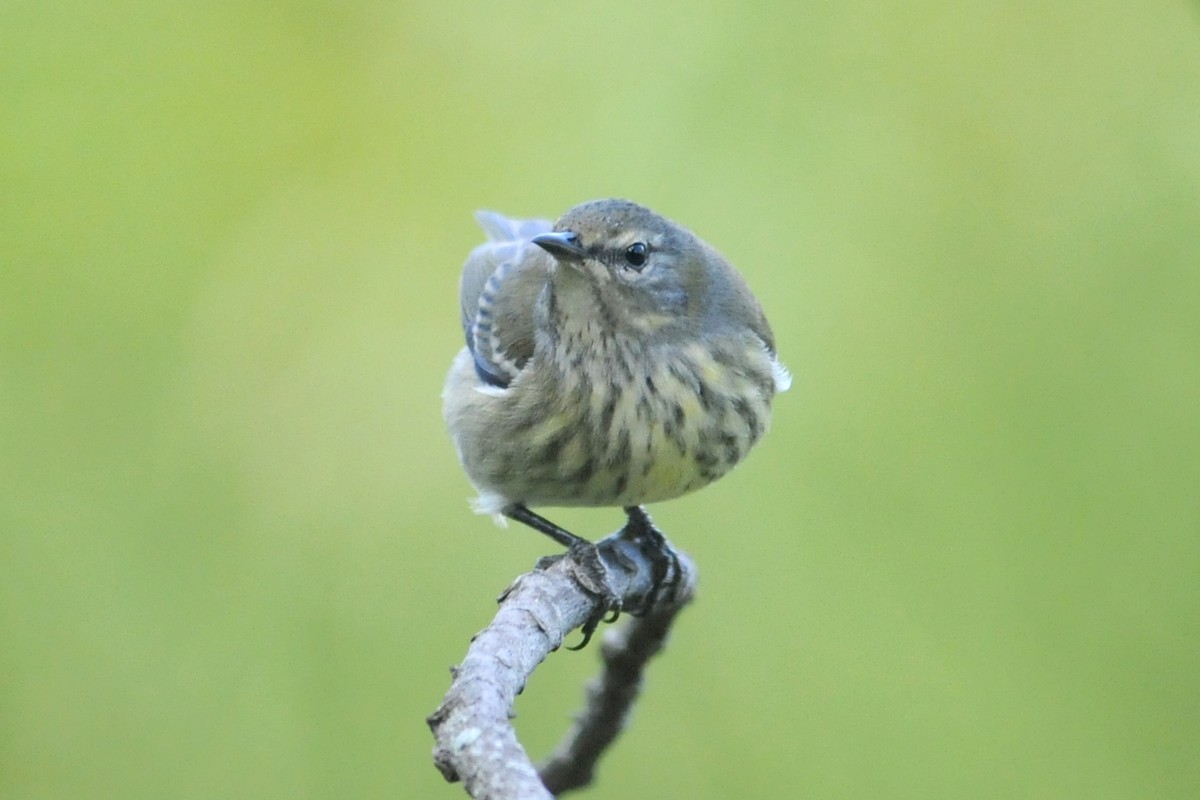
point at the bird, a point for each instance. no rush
(612, 359)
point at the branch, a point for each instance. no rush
(475, 741)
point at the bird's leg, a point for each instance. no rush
(521, 513)
(665, 572)
(591, 571)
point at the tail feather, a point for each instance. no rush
(500, 228)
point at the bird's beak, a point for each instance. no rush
(563, 245)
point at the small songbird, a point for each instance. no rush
(613, 359)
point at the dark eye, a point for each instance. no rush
(636, 254)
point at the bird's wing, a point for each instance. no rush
(500, 285)
(762, 329)
(728, 298)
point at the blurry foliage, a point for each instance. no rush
(235, 556)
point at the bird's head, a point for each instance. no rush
(643, 270)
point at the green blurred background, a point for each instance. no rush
(235, 553)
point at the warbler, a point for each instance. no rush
(612, 359)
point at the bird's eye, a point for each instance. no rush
(636, 254)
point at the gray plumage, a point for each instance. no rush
(613, 359)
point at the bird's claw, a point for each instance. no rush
(607, 614)
(592, 573)
(666, 573)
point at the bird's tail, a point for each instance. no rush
(500, 228)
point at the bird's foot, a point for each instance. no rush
(591, 573)
(666, 574)
(587, 564)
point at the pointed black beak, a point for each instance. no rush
(563, 245)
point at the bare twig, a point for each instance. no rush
(475, 741)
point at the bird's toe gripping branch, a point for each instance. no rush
(666, 572)
(591, 572)
(639, 542)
